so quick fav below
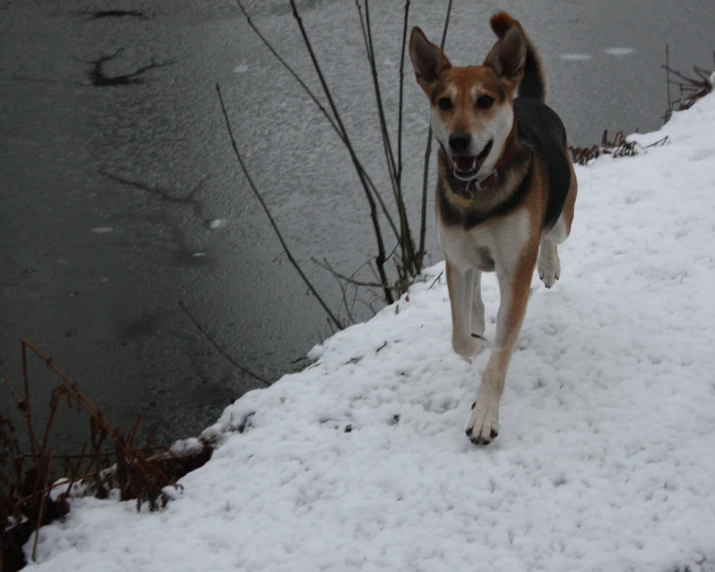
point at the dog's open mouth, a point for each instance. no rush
(468, 166)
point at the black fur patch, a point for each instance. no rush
(541, 128)
(532, 84)
(453, 215)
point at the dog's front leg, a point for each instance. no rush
(514, 289)
(477, 324)
(461, 292)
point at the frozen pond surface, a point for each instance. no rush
(119, 201)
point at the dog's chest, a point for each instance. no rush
(485, 247)
(468, 249)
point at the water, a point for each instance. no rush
(121, 197)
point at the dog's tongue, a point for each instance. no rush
(466, 163)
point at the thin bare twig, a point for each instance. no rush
(435, 280)
(428, 152)
(658, 143)
(669, 110)
(680, 75)
(43, 506)
(27, 412)
(409, 264)
(326, 266)
(368, 305)
(402, 89)
(691, 88)
(344, 298)
(223, 352)
(380, 259)
(370, 49)
(362, 173)
(295, 264)
(446, 26)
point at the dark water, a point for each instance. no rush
(114, 161)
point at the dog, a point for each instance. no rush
(505, 197)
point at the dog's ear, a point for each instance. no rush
(509, 54)
(428, 60)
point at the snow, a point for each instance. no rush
(217, 223)
(619, 51)
(576, 57)
(607, 429)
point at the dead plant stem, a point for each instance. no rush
(380, 259)
(428, 151)
(223, 352)
(358, 164)
(258, 195)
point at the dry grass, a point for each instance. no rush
(30, 494)
(618, 147)
(691, 90)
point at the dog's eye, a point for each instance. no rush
(445, 104)
(484, 102)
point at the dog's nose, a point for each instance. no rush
(459, 142)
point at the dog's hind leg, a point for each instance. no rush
(549, 264)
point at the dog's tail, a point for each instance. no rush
(533, 84)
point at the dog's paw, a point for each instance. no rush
(467, 348)
(549, 266)
(483, 427)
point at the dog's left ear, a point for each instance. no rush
(508, 55)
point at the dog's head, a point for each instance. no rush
(472, 110)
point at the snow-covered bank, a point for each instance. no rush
(606, 455)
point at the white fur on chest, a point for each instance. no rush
(501, 241)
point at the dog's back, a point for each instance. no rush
(543, 131)
(538, 125)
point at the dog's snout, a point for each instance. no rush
(459, 142)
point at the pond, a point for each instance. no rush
(121, 197)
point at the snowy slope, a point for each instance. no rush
(606, 454)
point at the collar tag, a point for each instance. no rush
(466, 202)
(488, 181)
(460, 200)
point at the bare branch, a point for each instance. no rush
(409, 264)
(223, 352)
(436, 280)
(349, 279)
(428, 153)
(380, 259)
(362, 173)
(332, 317)
(402, 86)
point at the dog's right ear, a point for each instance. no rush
(508, 56)
(428, 60)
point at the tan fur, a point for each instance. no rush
(509, 243)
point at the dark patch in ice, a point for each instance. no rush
(100, 14)
(98, 78)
